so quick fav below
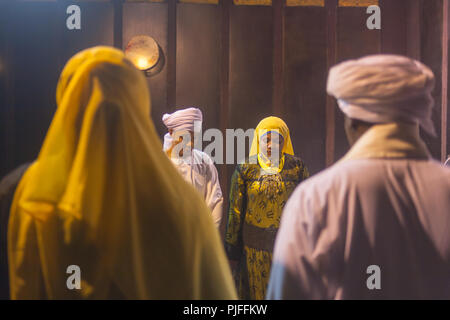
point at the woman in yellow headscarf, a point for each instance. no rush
(103, 202)
(259, 190)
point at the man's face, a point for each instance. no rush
(270, 144)
(177, 139)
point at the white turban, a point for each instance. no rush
(184, 120)
(189, 119)
(384, 88)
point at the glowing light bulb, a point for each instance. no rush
(143, 51)
(142, 63)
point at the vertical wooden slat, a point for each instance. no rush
(445, 26)
(278, 57)
(331, 8)
(150, 19)
(224, 97)
(393, 26)
(171, 55)
(413, 22)
(118, 24)
(7, 114)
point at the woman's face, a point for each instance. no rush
(270, 144)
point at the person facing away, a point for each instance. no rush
(260, 188)
(195, 166)
(104, 199)
(376, 224)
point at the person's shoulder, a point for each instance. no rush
(292, 161)
(328, 180)
(248, 165)
(202, 157)
(314, 196)
(204, 164)
(365, 174)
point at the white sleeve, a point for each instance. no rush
(214, 198)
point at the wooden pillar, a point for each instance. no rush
(172, 55)
(225, 7)
(118, 24)
(7, 81)
(331, 7)
(278, 57)
(393, 26)
(444, 124)
(413, 23)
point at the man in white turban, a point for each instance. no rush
(195, 166)
(376, 225)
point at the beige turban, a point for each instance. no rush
(384, 88)
(184, 120)
(189, 119)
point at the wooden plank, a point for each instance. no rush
(278, 58)
(305, 79)
(225, 6)
(358, 3)
(151, 19)
(253, 2)
(7, 80)
(35, 49)
(413, 22)
(431, 55)
(200, 1)
(118, 24)
(444, 124)
(198, 61)
(305, 3)
(97, 27)
(172, 55)
(251, 65)
(354, 40)
(393, 26)
(331, 8)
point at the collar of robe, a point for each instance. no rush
(268, 167)
(389, 141)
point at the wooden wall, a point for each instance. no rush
(236, 63)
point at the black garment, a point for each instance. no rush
(8, 187)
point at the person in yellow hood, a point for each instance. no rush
(259, 190)
(104, 198)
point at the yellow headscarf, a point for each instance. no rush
(104, 197)
(271, 124)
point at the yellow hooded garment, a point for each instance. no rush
(103, 197)
(271, 124)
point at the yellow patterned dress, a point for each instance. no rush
(256, 204)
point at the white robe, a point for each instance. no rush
(387, 203)
(199, 170)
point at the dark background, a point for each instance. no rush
(236, 63)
